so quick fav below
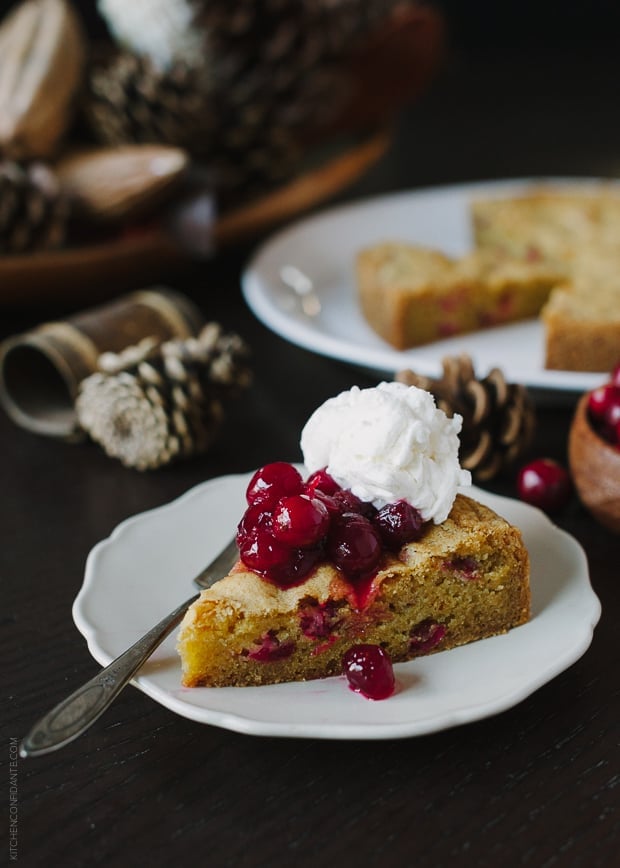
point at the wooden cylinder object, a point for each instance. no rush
(40, 370)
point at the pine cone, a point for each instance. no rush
(33, 212)
(131, 101)
(268, 73)
(150, 405)
(498, 417)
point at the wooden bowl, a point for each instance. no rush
(595, 468)
(89, 274)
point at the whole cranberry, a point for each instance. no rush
(255, 517)
(299, 520)
(398, 523)
(342, 501)
(354, 545)
(612, 416)
(261, 552)
(544, 483)
(368, 669)
(272, 482)
(349, 502)
(603, 403)
(322, 481)
(295, 569)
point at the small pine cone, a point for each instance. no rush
(498, 417)
(33, 212)
(150, 405)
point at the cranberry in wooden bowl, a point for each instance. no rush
(594, 452)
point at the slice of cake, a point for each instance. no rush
(463, 580)
(582, 327)
(546, 224)
(411, 295)
(376, 548)
(580, 232)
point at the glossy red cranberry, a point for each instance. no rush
(349, 502)
(354, 545)
(253, 518)
(369, 671)
(322, 481)
(615, 375)
(544, 483)
(602, 402)
(300, 563)
(398, 524)
(612, 416)
(604, 409)
(300, 521)
(343, 501)
(261, 552)
(272, 482)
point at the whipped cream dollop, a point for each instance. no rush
(388, 443)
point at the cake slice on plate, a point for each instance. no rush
(411, 295)
(376, 547)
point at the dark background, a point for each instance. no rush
(527, 89)
(492, 27)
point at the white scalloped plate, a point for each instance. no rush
(324, 247)
(144, 569)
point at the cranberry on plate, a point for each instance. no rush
(368, 669)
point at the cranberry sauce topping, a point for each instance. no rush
(290, 525)
(426, 635)
(369, 671)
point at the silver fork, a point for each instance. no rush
(75, 714)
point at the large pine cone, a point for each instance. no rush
(268, 72)
(498, 417)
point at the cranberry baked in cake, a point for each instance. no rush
(376, 547)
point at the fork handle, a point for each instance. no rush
(75, 714)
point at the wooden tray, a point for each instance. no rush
(94, 272)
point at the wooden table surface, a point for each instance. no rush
(535, 786)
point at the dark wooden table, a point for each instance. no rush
(535, 786)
